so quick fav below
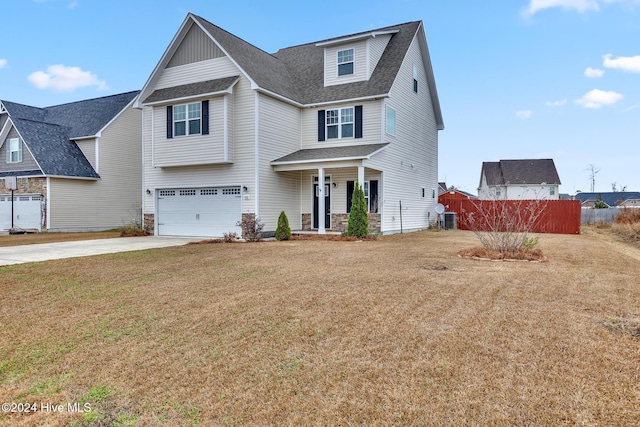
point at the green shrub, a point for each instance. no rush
(530, 242)
(283, 231)
(358, 225)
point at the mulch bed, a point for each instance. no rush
(480, 253)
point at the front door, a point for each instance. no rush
(327, 206)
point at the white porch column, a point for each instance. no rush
(361, 176)
(321, 208)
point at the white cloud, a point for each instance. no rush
(624, 63)
(578, 5)
(593, 73)
(65, 79)
(524, 115)
(3, 63)
(598, 98)
(560, 103)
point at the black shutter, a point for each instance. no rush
(321, 125)
(358, 121)
(373, 196)
(169, 121)
(350, 187)
(205, 117)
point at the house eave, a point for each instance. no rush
(341, 101)
(228, 91)
(363, 36)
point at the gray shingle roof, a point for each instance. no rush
(191, 89)
(48, 132)
(330, 153)
(519, 172)
(610, 198)
(52, 149)
(297, 72)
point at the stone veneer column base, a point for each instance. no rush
(149, 223)
(306, 221)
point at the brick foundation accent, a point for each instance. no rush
(149, 223)
(306, 221)
(341, 223)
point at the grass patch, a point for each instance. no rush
(393, 331)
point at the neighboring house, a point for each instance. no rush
(233, 132)
(519, 180)
(623, 199)
(453, 193)
(77, 165)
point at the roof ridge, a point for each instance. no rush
(39, 121)
(389, 27)
(90, 99)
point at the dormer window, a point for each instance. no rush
(345, 62)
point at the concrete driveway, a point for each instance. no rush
(48, 251)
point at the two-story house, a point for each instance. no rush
(520, 179)
(72, 167)
(230, 131)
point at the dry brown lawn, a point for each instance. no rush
(30, 239)
(393, 331)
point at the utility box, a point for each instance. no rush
(450, 221)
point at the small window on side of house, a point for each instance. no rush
(552, 190)
(345, 62)
(390, 120)
(415, 79)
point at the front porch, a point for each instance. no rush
(328, 177)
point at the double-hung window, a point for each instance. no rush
(14, 150)
(345, 62)
(187, 119)
(340, 123)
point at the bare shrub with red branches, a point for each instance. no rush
(505, 226)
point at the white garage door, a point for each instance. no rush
(27, 212)
(199, 211)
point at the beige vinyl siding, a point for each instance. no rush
(3, 119)
(195, 47)
(191, 149)
(88, 148)
(370, 126)
(196, 72)
(376, 47)
(242, 151)
(360, 65)
(113, 200)
(28, 163)
(410, 161)
(279, 135)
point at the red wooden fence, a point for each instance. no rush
(543, 216)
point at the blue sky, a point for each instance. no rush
(516, 79)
